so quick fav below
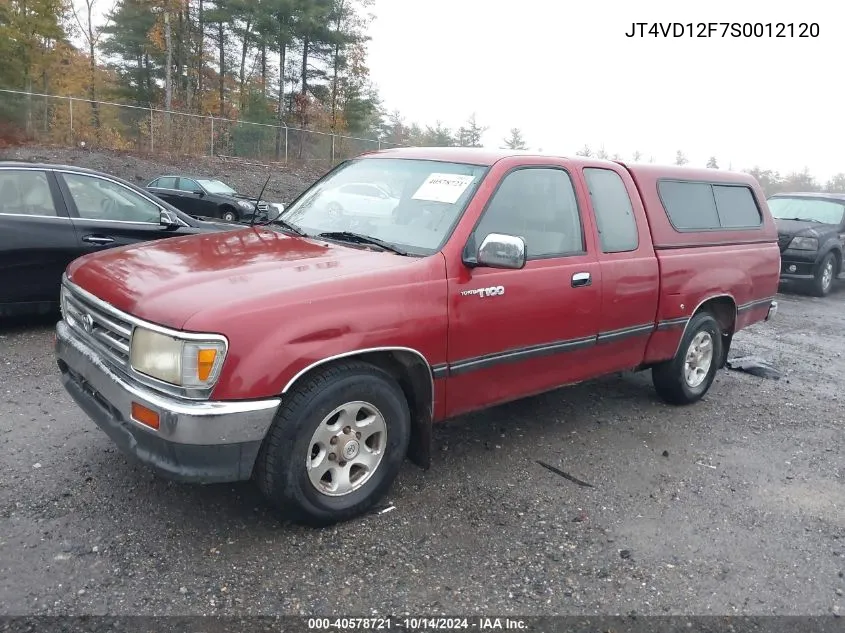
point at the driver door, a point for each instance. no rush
(514, 333)
(194, 203)
(107, 214)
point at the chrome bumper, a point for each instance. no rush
(200, 441)
(773, 310)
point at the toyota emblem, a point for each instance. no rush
(88, 323)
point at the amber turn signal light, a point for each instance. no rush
(205, 363)
(145, 416)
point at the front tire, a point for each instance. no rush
(230, 215)
(823, 281)
(688, 376)
(336, 445)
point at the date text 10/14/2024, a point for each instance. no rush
(723, 29)
(416, 624)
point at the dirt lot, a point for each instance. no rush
(735, 505)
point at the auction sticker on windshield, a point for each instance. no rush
(443, 188)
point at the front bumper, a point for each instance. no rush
(798, 265)
(197, 441)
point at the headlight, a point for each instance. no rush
(246, 205)
(182, 362)
(804, 243)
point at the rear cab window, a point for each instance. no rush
(705, 206)
(615, 222)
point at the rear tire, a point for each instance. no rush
(688, 376)
(825, 274)
(318, 468)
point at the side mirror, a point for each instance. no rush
(168, 218)
(199, 193)
(501, 251)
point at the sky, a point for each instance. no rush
(566, 75)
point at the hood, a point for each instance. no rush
(168, 281)
(793, 228)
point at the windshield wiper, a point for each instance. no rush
(285, 224)
(803, 220)
(349, 236)
(293, 228)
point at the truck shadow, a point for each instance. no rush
(29, 323)
(795, 290)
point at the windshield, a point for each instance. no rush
(810, 209)
(411, 204)
(215, 186)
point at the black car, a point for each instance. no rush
(811, 227)
(207, 198)
(52, 214)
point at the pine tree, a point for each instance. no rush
(515, 140)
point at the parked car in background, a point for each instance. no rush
(358, 200)
(314, 360)
(811, 228)
(209, 198)
(52, 214)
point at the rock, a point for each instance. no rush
(81, 592)
(183, 590)
(625, 553)
(665, 453)
(838, 592)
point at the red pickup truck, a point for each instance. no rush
(314, 353)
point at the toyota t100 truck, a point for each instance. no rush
(314, 353)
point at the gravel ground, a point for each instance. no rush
(731, 506)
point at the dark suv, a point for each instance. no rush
(810, 235)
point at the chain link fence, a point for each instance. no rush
(56, 120)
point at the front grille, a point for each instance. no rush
(783, 241)
(263, 206)
(108, 331)
(103, 329)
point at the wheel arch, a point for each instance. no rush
(415, 376)
(724, 309)
(836, 250)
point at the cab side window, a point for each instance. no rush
(539, 205)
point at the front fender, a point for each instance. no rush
(272, 344)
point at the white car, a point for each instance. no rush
(359, 199)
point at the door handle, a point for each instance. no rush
(581, 279)
(97, 239)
